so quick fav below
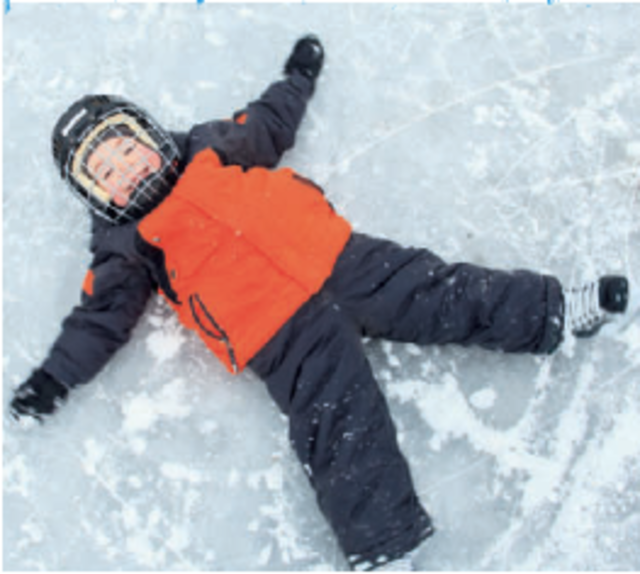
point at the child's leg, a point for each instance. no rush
(411, 295)
(342, 432)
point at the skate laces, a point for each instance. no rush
(583, 311)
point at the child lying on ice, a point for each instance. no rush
(258, 263)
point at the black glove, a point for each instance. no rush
(306, 58)
(39, 395)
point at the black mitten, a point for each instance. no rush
(39, 395)
(306, 58)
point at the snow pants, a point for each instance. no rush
(339, 421)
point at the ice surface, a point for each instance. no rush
(503, 135)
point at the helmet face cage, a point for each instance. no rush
(124, 120)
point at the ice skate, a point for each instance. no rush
(589, 307)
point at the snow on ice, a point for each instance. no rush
(498, 134)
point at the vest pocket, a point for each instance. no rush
(210, 327)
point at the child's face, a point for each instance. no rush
(119, 164)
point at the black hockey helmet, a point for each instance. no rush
(94, 119)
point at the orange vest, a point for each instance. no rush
(244, 251)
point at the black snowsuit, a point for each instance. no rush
(315, 367)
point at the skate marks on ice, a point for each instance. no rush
(384, 139)
(567, 475)
(576, 215)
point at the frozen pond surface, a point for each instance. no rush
(502, 135)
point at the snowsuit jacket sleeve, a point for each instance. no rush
(259, 134)
(114, 296)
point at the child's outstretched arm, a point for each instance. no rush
(114, 296)
(259, 134)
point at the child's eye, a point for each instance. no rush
(129, 149)
(107, 174)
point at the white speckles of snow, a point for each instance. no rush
(94, 452)
(137, 444)
(384, 375)
(111, 85)
(478, 162)
(215, 39)
(135, 482)
(158, 320)
(448, 414)
(206, 85)
(117, 14)
(33, 534)
(392, 358)
(631, 339)
(285, 533)
(483, 399)
(140, 545)
(547, 478)
(175, 109)
(265, 555)
(246, 13)
(495, 115)
(406, 390)
(179, 538)
(253, 526)
(586, 121)
(208, 427)
(446, 411)
(130, 518)
(146, 537)
(602, 465)
(165, 344)
(180, 472)
(633, 150)
(143, 411)
(100, 538)
(233, 479)
(17, 476)
(414, 350)
(568, 346)
(27, 424)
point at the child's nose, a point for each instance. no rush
(130, 165)
(137, 162)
